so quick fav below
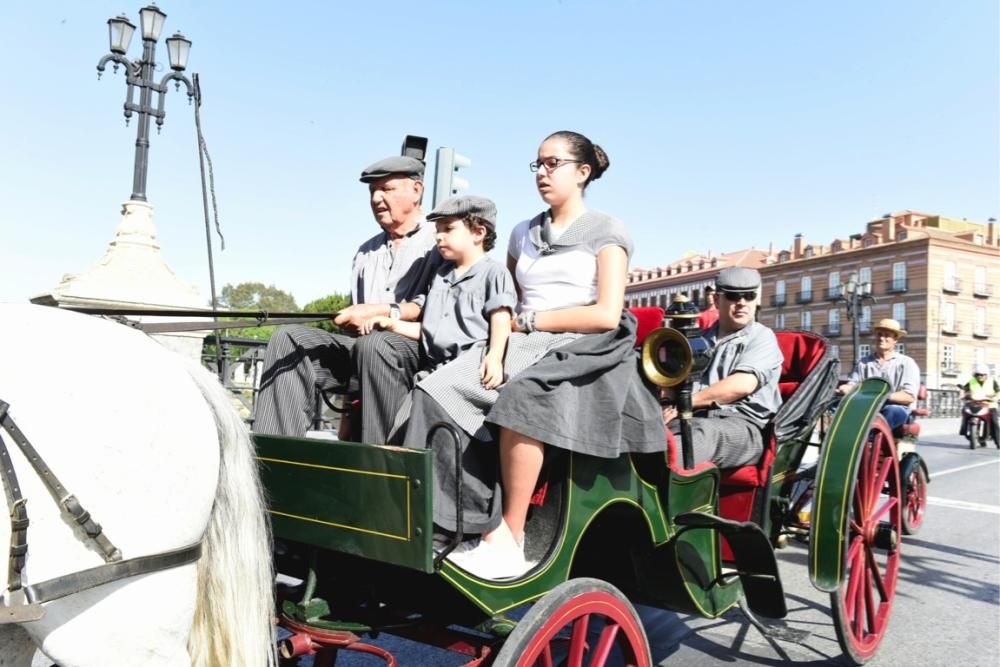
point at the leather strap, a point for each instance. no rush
(68, 584)
(18, 512)
(67, 501)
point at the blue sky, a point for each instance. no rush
(728, 123)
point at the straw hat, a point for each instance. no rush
(889, 324)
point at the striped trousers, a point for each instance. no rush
(298, 361)
(386, 364)
(728, 440)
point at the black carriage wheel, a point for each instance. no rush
(579, 622)
(863, 604)
(914, 499)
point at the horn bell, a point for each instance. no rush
(667, 358)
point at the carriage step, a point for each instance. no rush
(758, 568)
(21, 613)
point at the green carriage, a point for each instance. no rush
(354, 521)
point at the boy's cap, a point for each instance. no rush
(737, 279)
(400, 165)
(464, 205)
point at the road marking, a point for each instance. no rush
(960, 469)
(963, 505)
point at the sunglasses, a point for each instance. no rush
(736, 296)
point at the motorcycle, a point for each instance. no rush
(978, 423)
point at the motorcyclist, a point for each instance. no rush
(983, 391)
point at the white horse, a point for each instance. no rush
(151, 446)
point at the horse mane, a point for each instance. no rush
(234, 618)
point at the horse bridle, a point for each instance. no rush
(25, 602)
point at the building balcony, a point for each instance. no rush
(833, 293)
(950, 328)
(831, 330)
(952, 285)
(779, 300)
(804, 297)
(896, 285)
(981, 332)
(949, 371)
(982, 290)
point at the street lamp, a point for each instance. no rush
(139, 74)
(854, 294)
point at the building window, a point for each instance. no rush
(833, 285)
(779, 321)
(865, 276)
(980, 287)
(951, 282)
(900, 348)
(948, 317)
(980, 329)
(832, 322)
(899, 314)
(866, 319)
(806, 290)
(864, 349)
(807, 320)
(809, 251)
(779, 293)
(835, 351)
(868, 242)
(898, 282)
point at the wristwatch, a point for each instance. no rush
(394, 311)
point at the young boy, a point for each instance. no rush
(471, 298)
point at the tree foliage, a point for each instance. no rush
(257, 296)
(328, 304)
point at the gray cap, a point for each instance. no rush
(738, 279)
(464, 205)
(398, 165)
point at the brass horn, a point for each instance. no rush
(667, 357)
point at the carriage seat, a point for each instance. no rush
(910, 427)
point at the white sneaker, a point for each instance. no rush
(490, 561)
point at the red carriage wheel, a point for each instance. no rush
(914, 497)
(579, 622)
(863, 603)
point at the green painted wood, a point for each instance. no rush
(366, 500)
(835, 477)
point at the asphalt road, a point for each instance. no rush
(947, 606)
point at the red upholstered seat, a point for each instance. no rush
(650, 317)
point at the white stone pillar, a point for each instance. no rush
(133, 274)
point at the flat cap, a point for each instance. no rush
(464, 205)
(400, 165)
(738, 279)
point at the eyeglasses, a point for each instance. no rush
(736, 296)
(550, 163)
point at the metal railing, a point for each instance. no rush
(896, 285)
(942, 403)
(805, 296)
(242, 363)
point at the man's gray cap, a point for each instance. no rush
(397, 165)
(738, 279)
(464, 205)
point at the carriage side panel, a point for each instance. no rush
(365, 500)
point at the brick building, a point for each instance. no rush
(936, 275)
(689, 275)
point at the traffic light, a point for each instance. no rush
(446, 183)
(414, 146)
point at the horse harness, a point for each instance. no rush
(24, 602)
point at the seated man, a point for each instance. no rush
(981, 388)
(737, 394)
(390, 276)
(899, 370)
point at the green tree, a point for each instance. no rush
(257, 296)
(331, 303)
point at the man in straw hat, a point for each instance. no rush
(899, 370)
